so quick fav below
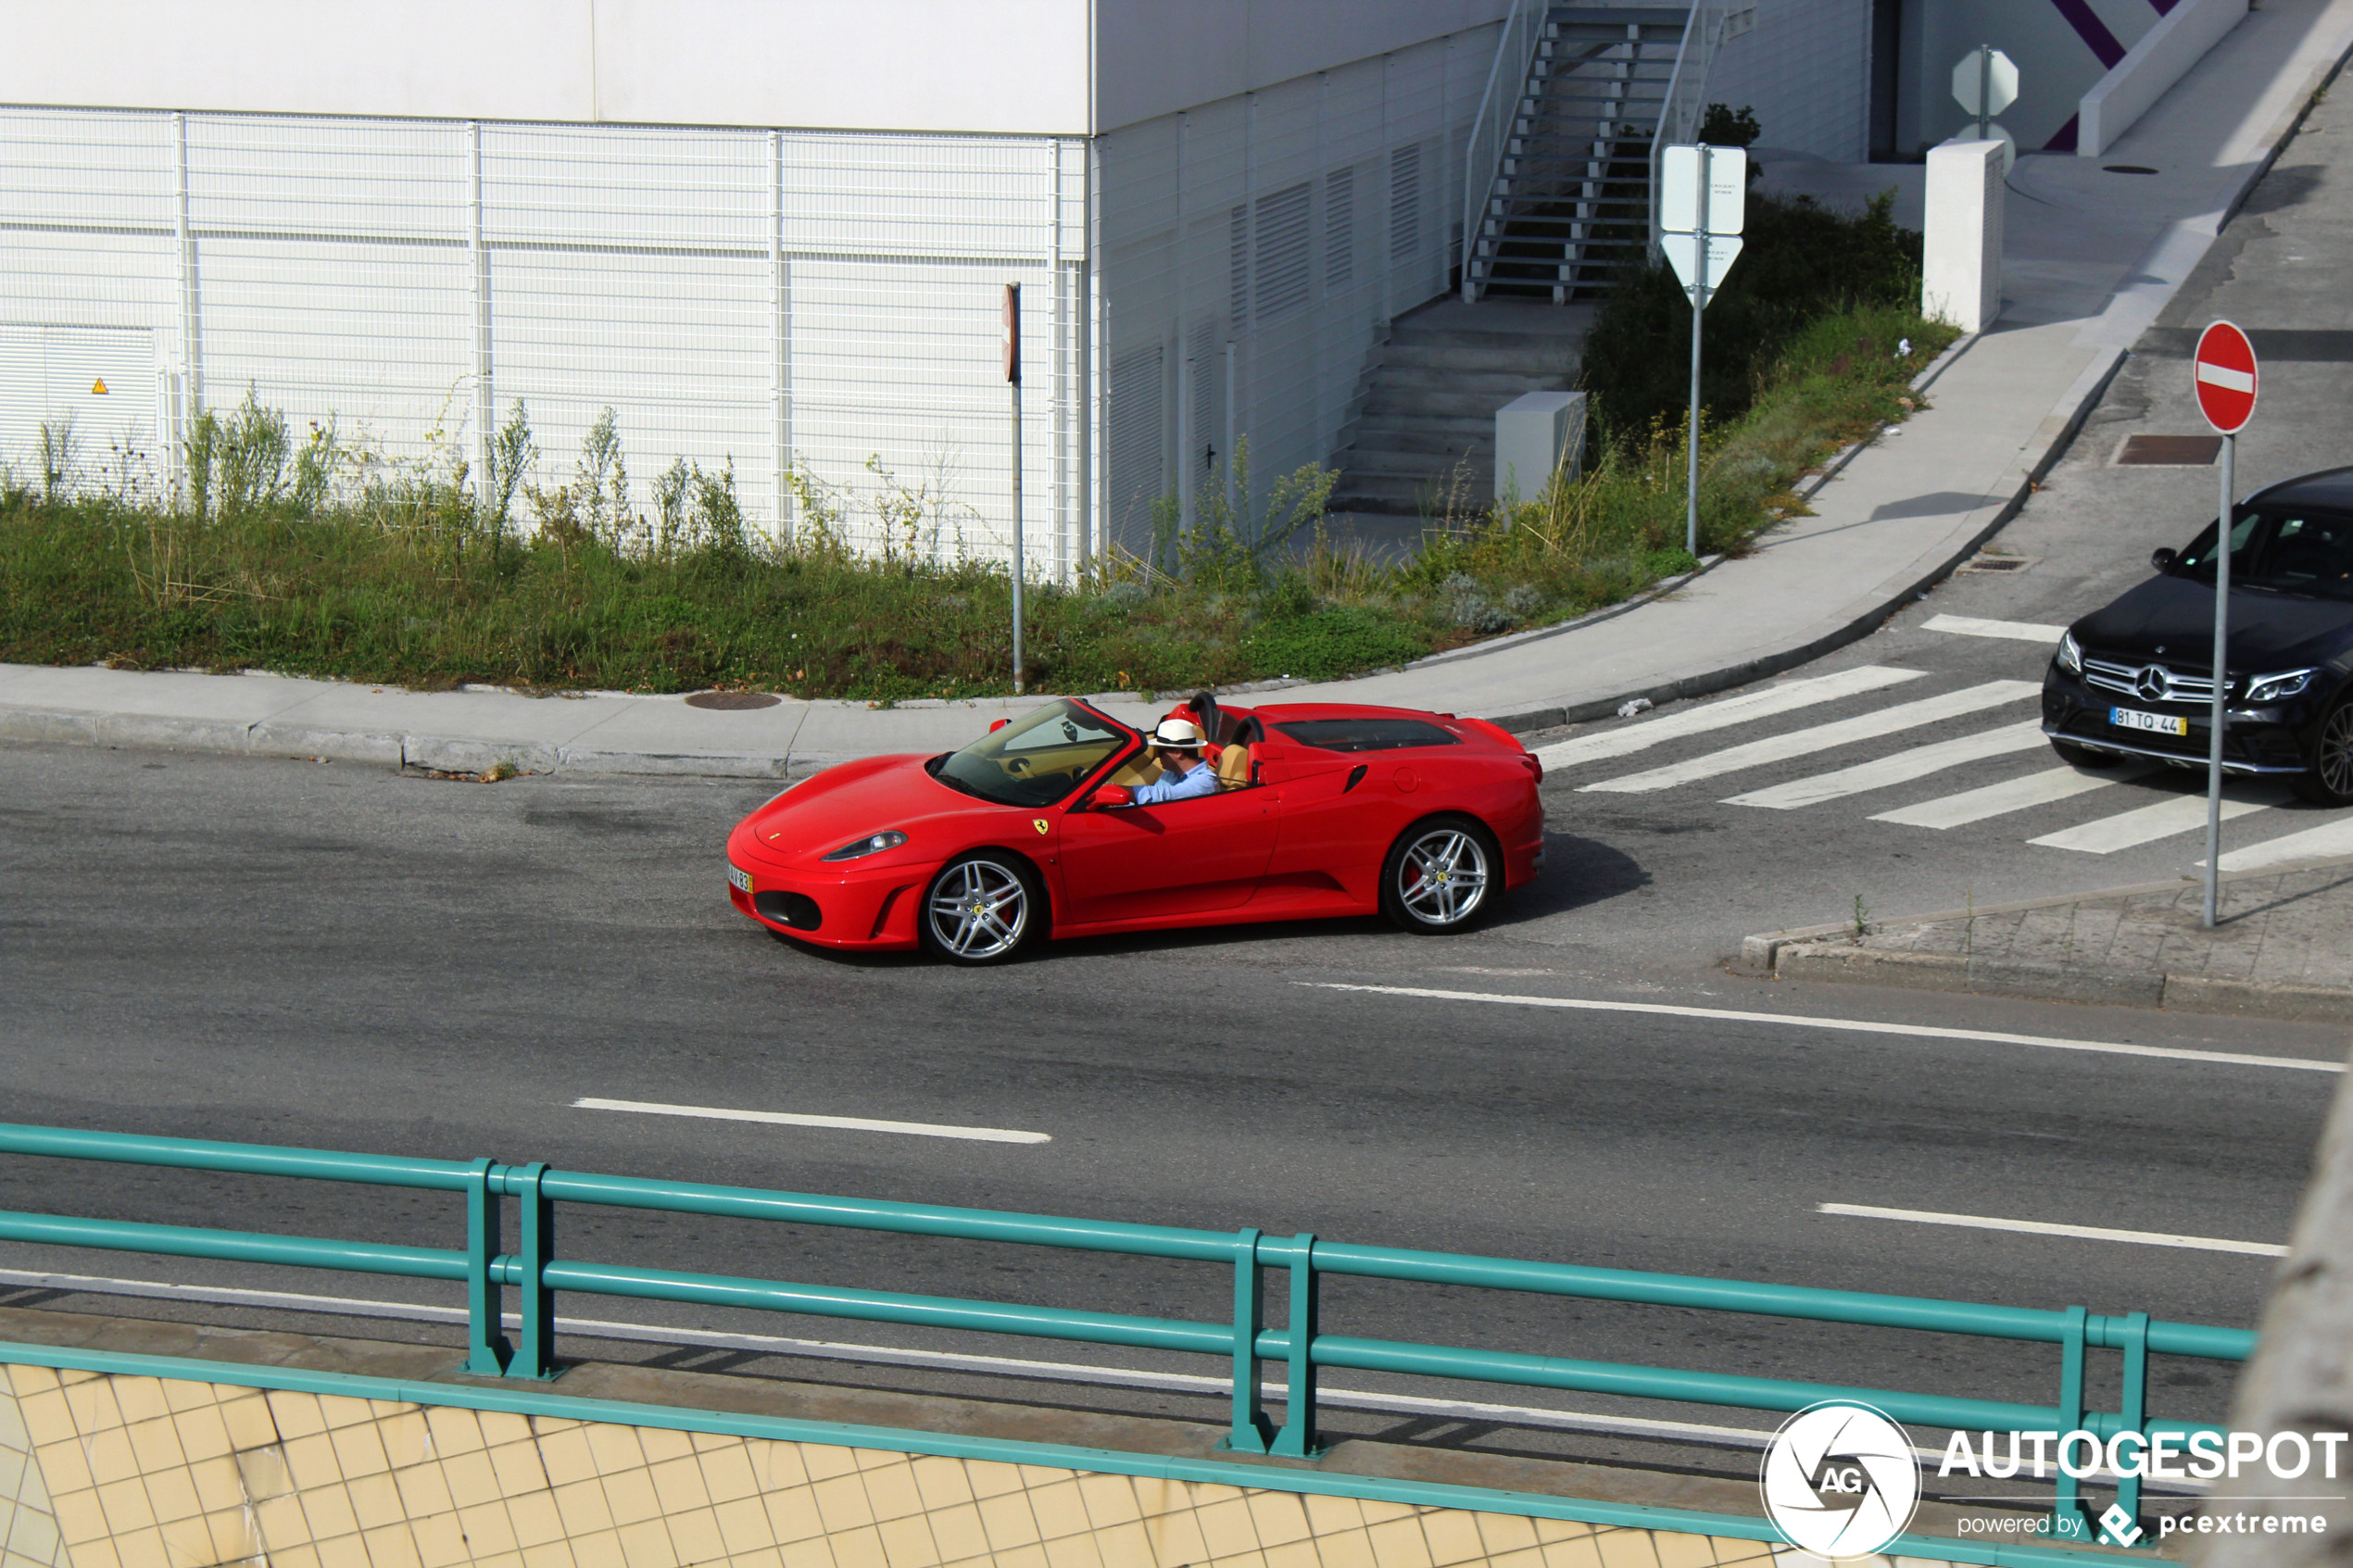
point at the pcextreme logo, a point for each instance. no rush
(1839, 1480)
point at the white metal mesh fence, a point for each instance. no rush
(744, 299)
(1254, 248)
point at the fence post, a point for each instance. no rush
(2134, 1335)
(1249, 1430)
(1297, 1438)
(486, 1346)
(2067, 1504)
(535, 1347)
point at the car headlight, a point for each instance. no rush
(2071, 653)
(873, 844)
(2279, 687)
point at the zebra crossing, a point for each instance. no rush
(2122, 808)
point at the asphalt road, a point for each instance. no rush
(338, 957)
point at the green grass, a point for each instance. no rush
(322, 562)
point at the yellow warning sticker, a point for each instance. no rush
(99, 387)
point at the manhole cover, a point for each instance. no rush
(730, 702)
(2170, 451)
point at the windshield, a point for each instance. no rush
(1036, 759)
(2292, 551)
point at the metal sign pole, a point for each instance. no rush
(1699, 314)
(2222, 679)
(1984, 87)
(1013, 383)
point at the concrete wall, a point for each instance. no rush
(1037, 67)
(100, 1470)
(1805, 67)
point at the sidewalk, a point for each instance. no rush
(2283, 947)
(2090, 258)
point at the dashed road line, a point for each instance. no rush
(787, 1119)
(2044, 1227)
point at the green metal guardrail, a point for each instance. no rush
(537, 1274)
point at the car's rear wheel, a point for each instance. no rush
(2330, 782)
(1443, 874)
(981, 908)
(2084, 757)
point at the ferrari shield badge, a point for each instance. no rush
(1038, 822)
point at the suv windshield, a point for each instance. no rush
(1036, 760)
(2293, 551)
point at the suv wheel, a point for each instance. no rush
(2329, 782)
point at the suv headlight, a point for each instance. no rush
(2279, 687)
(873, 844)
(2071, 653)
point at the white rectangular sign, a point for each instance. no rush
(1682, 253)
(1679, 193)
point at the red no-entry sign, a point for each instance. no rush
(2226, 371)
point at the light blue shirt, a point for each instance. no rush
(1202, 779)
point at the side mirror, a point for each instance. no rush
(999, 725)
(2164, 559)
(1111, 796)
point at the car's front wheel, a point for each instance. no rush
(981, 908)
(2329, 782)
(1440, 875)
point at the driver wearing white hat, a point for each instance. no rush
(1176, 743)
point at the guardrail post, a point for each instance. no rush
(1297, 1438)
(1250, 1428)
(535, 1344)
(2134, 1337)
(486, 1346)
(2067, 1501)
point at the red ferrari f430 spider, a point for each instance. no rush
(1030, 833)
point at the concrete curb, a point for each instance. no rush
(1827, 953)
(439, 753)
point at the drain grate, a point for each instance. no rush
(1998, 563)
(2170, 451)
(731, 702)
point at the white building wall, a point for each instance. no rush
(747, 297)
(1254, 248)
(1805, 66)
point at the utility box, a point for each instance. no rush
(1961, 250)
(1537, 435)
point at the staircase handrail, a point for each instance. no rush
(1491, 129)
(1686, 94)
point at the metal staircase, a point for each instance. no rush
(1569, 205)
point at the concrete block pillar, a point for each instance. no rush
(1962, 264)
(1537, 434)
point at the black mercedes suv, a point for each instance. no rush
(2136, 679)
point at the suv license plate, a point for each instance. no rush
(2154, 723)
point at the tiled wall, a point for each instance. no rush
(98, 1470)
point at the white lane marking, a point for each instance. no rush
(2042, 1227)
(847, 1124)
(2312, 844)
(1917, 763)
(1999, 799)
(1823, 737)
(2144, 824)
(2017, 630)
(1849, 1025)
(2223, 376)
(889, 1355)
(1726, 710)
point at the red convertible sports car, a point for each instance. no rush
(1029, 832)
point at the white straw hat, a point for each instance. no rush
(1177, 735)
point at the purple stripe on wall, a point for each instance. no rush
(2165, 7)
(2091, 30)
(2063, 139)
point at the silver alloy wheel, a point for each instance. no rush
(978, 910)
(1442, 879)
(2333, 758)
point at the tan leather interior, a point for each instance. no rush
(1233, 767)
(1142, 769)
